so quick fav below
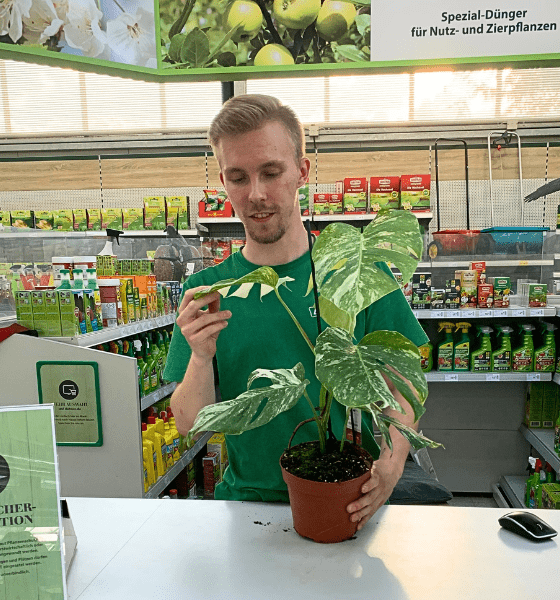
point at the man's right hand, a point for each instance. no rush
(201, 327)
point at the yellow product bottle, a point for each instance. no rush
(160, 446)
(150, 456)
(161, 426)
(181, 438)
(145, 471)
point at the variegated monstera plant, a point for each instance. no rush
(350, 372)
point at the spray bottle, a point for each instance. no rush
(523, 357)
(107, 259)
(530, 479)
(426, 355)
(462, 349)
(501, 356)
(481, 359)
(445, 347)
(545, 355)
(160, 446)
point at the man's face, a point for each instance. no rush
(259, 172)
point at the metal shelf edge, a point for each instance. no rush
(157, 395)
(538, 438)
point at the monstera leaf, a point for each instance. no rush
(264, 275)
(345, 261)
(242, 413)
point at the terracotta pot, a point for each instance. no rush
(319, 508)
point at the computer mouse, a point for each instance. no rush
(528, 525)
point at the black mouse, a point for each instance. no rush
(528, 525)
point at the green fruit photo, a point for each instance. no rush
(205, 34)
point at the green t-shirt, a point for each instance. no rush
(261, 334)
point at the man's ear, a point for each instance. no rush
(304, 167)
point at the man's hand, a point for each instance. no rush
(200, 327)
(376, 491)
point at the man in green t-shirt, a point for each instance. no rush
(259, 145)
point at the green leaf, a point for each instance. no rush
(363, 23)
(233, 417)
(195, 49)
(415, 439)
(226, 59)
(264, 275)
(335, 316)
(350, 52)
(362, 3)
(175, 47)
(345, 259)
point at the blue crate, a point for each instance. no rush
(515, 240)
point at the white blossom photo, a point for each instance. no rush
(116, 30)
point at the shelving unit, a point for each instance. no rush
(50, 233)
(157, 395)
(487, 376)
(421, 215)
(509, 492)
(482, 313)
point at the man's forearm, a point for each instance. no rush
(194, 392)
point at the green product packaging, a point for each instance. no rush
(545, 354)
(549, 400)
(550, 496)
(481, 358)
(445, 347)
(52, 309)
(90, 311)
(462, 350)
(534, 405)
(426, 354)
(136, 303)
(79, 303)
(523, 356)
(22, 219)
(63, 220)
(93, 219)
(111, 218)
(136, 268)
(24, 309)
(80, 219)
(154, 213)
(5, 218)
(43, 219)
(177, 211)
(537, 294)
(502, 289)
(501, 356)
(39, 312)
(133, 219)
(303, 198)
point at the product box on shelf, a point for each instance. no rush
(43, 219)
(303, 199)
(415, 192)
(69, 313)
(485, 294)
(63, 219)
(469, 289)
(23, 219)
(421, 299)
(215, 204)
(39, 312)
(80, 219)
(52, 311)
(384, 192)
(154, 213)
(321, 204)
(217, 443)
(211, 471)
(550, 400)
(437, 299)
(480, 268)
(355, 198)
(452, 294)
(337, 204)
(24, 308)
(177, 211)
(534, 406)
(537, 294)
(502, 288)
(133, 219)
(111, 218)
(93, 219)
(5, 218)
(236, 245)
(550, 496)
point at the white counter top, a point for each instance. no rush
(195, 549)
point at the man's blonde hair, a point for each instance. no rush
(249, 112)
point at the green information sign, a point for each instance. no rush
(73, 389)
(31, 557)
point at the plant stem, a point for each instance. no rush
(320, 424)
(300, 328)
(183, 18)
(223, 42)
(269, 24)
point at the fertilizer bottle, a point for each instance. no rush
(523, 357)
(545, 355)
(462, 351)
(445, 347)
(501, 356)
(426, 355)
(481, 359)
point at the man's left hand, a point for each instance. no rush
(376, 492)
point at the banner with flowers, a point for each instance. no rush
(240, 39)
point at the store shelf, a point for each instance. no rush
(542, 441)
(114, 333)
(482, 313)
(465, 264)
(160, 485)
(513, 488)
(487, 376)
(50, 233)
(162, 392)
(422, 215)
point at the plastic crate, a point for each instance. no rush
(515, 240)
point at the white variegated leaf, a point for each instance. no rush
(242, 291)
(233, 417)
(263, 275)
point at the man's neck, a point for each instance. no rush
(284, 251)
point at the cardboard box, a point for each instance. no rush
(111, 218)
(211, 472)
(303, 198)
(415, 192)
(421, 299)
(217, 443)
(537, 294)
(63, 220)
(69, 313)
(534, 406)
(550, 496)
(80, 219)
(355, 198)
(93, 219)
(215, 204)
(133, 219)
(39, 312)
(453, 294)
(43, 219)
(422, 280)
(337, 204)
(485, 294)
(550, 391)
(177, 211)
(22, 219)
(480, 268)
(5, 218)
(438, 299)
(502, 289)
(154, 213)
(384, 192)
(24, 308)
(236, 245)
(469, 289)
(321, 204)
(52, 310)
